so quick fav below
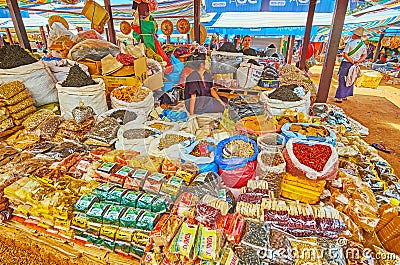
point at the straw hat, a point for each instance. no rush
(359, 31)
(110, 65)
(56, 18)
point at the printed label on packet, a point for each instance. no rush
(125, 171)
(106, 167)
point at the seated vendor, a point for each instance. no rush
(246, 50)
(199, 94)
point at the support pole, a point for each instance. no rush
(333, 45)
(290, 56)
(307, 33)
(44, 39)
(378, 49)
(196, 25)
(1, 41)
(18, 24)
(9, 36)
(287, 49)
(168, 39)
(48, 29)
(111, 31)
(188, 38)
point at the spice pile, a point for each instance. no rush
(138, 133)
(77, 78)
(131, 93)
(314, 156)
(238, 148)
(291, 75)
(285, 93)
(12, 56)
(309, 130)
(170, 140)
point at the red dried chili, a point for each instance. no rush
(313, 156)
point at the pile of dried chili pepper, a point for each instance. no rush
(313, 156)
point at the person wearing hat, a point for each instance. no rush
(354, 53)
(199, 94)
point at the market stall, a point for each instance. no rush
(100, 162)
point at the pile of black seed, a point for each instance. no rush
(12, 56)
(77, 78)
(285, 93)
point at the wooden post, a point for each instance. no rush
(107, 34)
(168, 39)
(48, 29)
(333, 45)
(1, 40)
(9, 36)
(378, 49)
(111, 31)
(290, 56)
(44, 39)
(18, 24)
(287, 49)
(307, 33)
(188, 38)
(196, 25)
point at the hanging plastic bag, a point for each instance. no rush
(177, 67)
(249, 74)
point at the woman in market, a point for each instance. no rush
(354, 53)
(199, 94)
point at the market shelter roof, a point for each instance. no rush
(32, 21)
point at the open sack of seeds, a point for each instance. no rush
(285, 98)
(133, 98)
(236, 158)
(80, 87)
(134, 136)
(170, 143)
(314, 160)
(18, 64)
(310, 132)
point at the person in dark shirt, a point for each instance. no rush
(246, 50)
(199, 94)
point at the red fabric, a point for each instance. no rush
(310, 51)
(159, 50)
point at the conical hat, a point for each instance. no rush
(203, 34)
(56, 18)
(109, 65)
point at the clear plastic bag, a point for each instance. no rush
(93, 50)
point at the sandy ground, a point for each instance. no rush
(377, 109)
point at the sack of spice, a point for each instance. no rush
(236, 158)
(200, 152)
(270, 167)
(314, 160)
(311, 132)
(244, 106)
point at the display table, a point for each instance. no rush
(20, 244)
(369, 79)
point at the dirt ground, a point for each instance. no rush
(378, 110)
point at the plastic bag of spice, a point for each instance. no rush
(270, 167)
(241, 107)
(314, 160)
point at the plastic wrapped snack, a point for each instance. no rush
(256, 234)
(85, 202)
(136, 180)
(129, 219)
(153, 182)
(23, 113)
(208, 244)
(130, 198)
(102, 191)
(3, 114)
(184, 241)
(96, 212)
(278, 240)
(82, 113)
(187, 171)
(205, 183)
(150, 163)
(165, 229)
(17, 98)
(147, 221)
(208, 215)
(6, 124)
(104, 131)
(145, 201)
(173, 187)
(185, 205)
(49, 127)
(10, 89)
(21, 105)
(111, 217)
(115, 195)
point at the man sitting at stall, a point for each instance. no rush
(246, 50)
(199, 94)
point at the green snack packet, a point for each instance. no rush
(147, 221)
(130, 198)
(111, 217)
(137, 252)
(85, 202)
(173, 187)
(130, 217)
(159, 205)
(102, 191)
(108, 244)
(80, 234)
(122, 247)
(115, 195)
(93, 239)
(145, 201)
(96, 212)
